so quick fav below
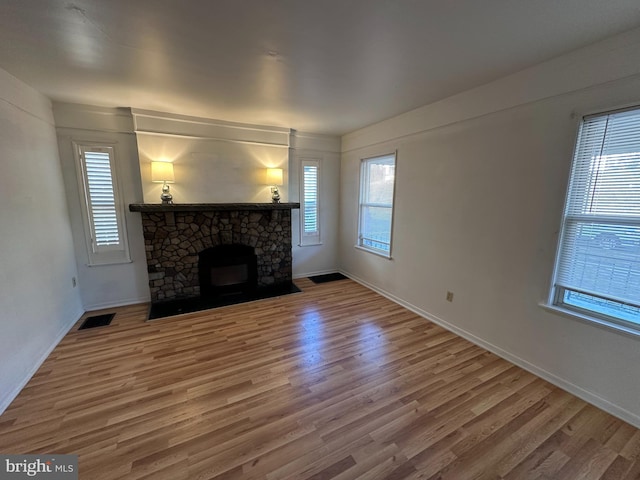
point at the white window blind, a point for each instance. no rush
(310, 208)
(106, 239)
(377, 182)
(598, 265)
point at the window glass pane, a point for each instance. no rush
(598, 267)
(601, 258)
(603, 306)
(376, 203)
(380, 181)
(376, 227)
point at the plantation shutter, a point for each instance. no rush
(600, 245)
(309, 202)
(310, 182)
(100, 197)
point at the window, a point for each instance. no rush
(377, 180)
(103, 213)
(598, 263)
(310, 208)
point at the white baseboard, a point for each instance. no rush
(313, 274)
(560, 382)
(10, 396)
(120, 303)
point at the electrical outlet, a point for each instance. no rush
(73, 282)
(449, 296)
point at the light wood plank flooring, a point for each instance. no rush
(333, 383)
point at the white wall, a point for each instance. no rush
(311, 260)
(38, 304)
(214, 161)
(223, 162)
(104, 286)
(481, 180)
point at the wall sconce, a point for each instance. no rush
(162, 172)
(274, 177)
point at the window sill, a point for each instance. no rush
(375, 252)
(315, 244)
(592, 320)
(109, 262)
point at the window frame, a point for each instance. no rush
(106, 254)
(364, 203)
(556, 300)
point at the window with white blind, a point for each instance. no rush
(103, 212)
(598, 262)
(377, 183)
(310, 204)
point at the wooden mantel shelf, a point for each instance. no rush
(208, 207)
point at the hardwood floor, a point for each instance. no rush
(333, 383)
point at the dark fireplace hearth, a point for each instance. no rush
(227, 269)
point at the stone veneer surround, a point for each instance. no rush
(175, 234)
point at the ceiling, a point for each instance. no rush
(324, 66)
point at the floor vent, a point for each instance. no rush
(329, 277)
(97, 321)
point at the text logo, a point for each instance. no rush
(50, 467)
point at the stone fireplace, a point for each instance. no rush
(213, 249)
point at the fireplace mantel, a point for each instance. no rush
(208, 207)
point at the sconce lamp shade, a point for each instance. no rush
(162, 172)
(274, 176)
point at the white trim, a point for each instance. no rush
(142, 113)
(9, 397)
(97, 263)
(591, 320)
(577, 71)
(25, 98)
(313, 274)
(552, 291)
(92, 118)
(613, 109)
(379, 253)
(167, 124)
(48, 121)
(606, 219)
(560, 382)
(305, 142)
(119, 303)
(309, 244)
(107, 256)
(212, 139)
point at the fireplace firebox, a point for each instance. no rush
(227, 269)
